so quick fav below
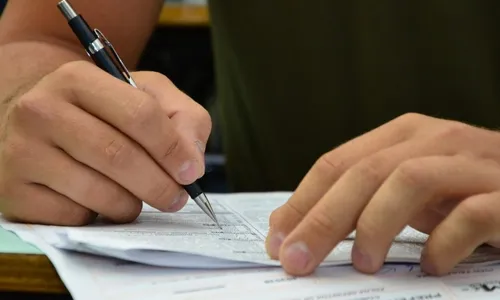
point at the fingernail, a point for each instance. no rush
(297, 255)
(174, 206)
(188, 172)
(275, 244)
(362, 259)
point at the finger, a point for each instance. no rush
(329, 168)
(188, 115)
(474, 222)
(37, 204)
(426, 220)
(106, 150)
(133, 112)
(336, 214)
(414, 185)
(190, 119)
(81, 184)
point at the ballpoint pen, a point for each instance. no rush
(96, 45)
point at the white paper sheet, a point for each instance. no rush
(90, 277)
(245, 218)
(189, 239)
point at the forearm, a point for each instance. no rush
(24, 63)
(34, 39)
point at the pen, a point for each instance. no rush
(96, 44)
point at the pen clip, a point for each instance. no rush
(124, 69)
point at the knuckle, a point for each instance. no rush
(477, 213)
(326, 164)
(145, 111)
(119, 153)
(406, 125)
(322, 224)
(411, 174)
(293, 209)
(30, 107)
(275, 218)
(370, 168)
(454, 131)
(288, 214)
(69, 71)
(173, 143)
(366, 229)
(409, 118)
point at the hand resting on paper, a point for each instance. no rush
(81, 143)
(440, 177)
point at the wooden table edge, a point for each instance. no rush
(29, 273)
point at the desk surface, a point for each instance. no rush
(24, 268)
(10, 243)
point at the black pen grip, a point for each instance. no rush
(193, 190)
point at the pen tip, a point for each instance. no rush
(217, 222)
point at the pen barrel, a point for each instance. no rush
(82, 31)
(106, 63)
(101, 58)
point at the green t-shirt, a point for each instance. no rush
(297, 78)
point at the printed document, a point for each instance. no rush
(189, 239)
(89, 277)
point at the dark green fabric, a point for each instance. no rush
(297, 78)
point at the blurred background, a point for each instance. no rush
(181, 49)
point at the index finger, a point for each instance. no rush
(133, 112)
(328, 169)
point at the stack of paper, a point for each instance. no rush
(208, 260)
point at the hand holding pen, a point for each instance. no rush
(106, 57)
(80, 142)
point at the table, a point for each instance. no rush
(24, 268)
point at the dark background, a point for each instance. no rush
(184, 54)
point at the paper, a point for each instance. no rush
(189, 239)
(90, 277)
